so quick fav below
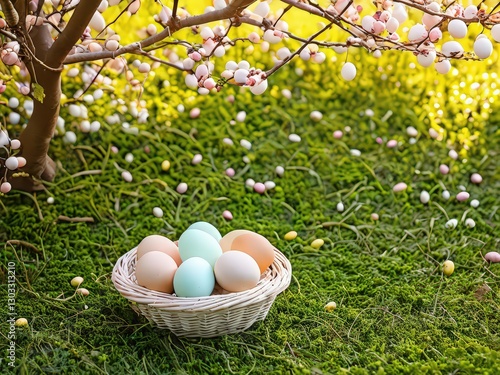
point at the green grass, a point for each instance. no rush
(396, 312)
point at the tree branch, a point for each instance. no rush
(173, 25)
(72, 32)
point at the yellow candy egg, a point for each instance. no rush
(448, 267)
(317, 243)
(291, 235)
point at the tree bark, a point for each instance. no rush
(35, 138)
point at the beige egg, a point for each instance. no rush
(159, 243)
(236, 271)
(257, 246)
(155, 270)
(227, 240)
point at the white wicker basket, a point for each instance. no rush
(216, 315)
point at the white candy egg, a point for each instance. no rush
(457, 29)
(495, 33)
(443, 66)
(424, 197)
(452, 49)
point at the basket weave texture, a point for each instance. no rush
(218, 314)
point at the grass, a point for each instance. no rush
(396, 312)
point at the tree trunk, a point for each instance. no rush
(35, 138)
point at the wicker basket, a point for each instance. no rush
(216, 315)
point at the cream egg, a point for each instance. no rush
(155, 270)
(159, 243)
(227, 240)
(236, 271)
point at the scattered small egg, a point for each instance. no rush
(181, 108)
(127, 176)
(228, 141)
(82, 291)
(374, 216)
(227, 215)
(411, 131)
(21, 322)
(412, 141)
(50, 200)
(492, 256)
(461, 188)
(453, 154)
(12, 163)
(401, 186)
(444, 169)
(424, 197)
(129, 158)
(259, 187)
(246, 159)
(158, 212)
(463, 196)
(369, 112)
(76, 281)
(290, 235)
(250, 182)
(355, 152)
(195, 113)
(392, 143)
(448, 267)
(433, 133)
(280, 171)
(246, 144)
(270, 185)
(445, 194)
(197, 159)
(474, 203)
(317, 243)
(241, 116)
(451, 224)
(181, 188)
(337, 134)
(379, 140)
(316, 115)
(470, 223)
(165, 165)
(230, 172)
(330, 306)
(476, 178)
(294, 138)
(114, 149)
(340, 207)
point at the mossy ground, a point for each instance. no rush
(396, 312)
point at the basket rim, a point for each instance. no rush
(275, 280)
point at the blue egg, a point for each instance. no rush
(207, 227)
(194, 278)
(197, 243)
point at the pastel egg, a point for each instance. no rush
(197, 243)
(257, 246)
(194, 278)
(208, 228)
(227, 240)
(236, 271)
(155, 270)
(159, 243)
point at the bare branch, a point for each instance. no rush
(72, 32)
(173, 25)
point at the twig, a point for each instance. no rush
(25, 244)
(76, 219)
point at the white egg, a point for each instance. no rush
(158, 212)
(470, 223)
(457, 29)
(483, 48)
(474, 203)
(348, 71)
(246, 144)
(424, 197)
(260, 88)
(240, 116)
(294, 138)
(495, 33)
(451, 224)
(340, 207)
(12, 163)
(452, 49)
(280, 171)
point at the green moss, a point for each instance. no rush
(396, 312)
